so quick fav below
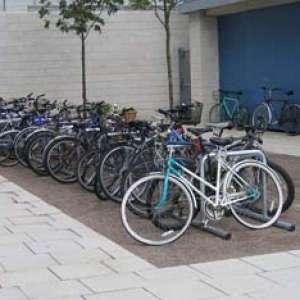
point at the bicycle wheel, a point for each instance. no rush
(217, 114)
(34, 150)
(290, 119)
(287, 185)
(19, 144)
(7, 155)
(143, 163)
(262, 117)
(163, 220)
(86, 171)
(241, 117)
(62, 159)
(112, 169)
(255, 194)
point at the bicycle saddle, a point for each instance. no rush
(199, 131)
(221, 141)
(222, 125)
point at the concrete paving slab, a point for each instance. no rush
(26, 262)
(76, 271)
(54, 290)
(32, 277)
(187, 289)
(132, 294)
(73, 262)
(223, 267)
(13, 293)
(275, 261)
(114, 282)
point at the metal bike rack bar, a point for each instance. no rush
(219, 232)
(279, 223)
(204, 225)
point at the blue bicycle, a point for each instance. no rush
(229, 108)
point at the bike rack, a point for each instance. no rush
(203, 223)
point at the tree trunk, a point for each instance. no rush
(84, 99)
(169, 66)
(167, 14)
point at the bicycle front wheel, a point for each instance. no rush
(86, 171)
(7, 155)
(254, 194)
(156, 211)
(262, 117)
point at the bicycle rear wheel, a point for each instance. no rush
(241, 117)
(255, 194)
(217, 114)
(155, 211)
(286, 183)
(290, 119)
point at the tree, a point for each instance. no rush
(80, 17)
(162, 10)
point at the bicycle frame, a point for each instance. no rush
(175, 168)
(225, 104)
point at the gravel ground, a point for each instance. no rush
(195, 246)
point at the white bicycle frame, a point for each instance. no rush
(222, 165)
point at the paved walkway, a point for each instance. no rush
(44, 254)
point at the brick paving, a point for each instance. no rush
(47, 255)
(104, 217)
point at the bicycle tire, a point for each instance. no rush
(112, 189)
(19, 144)
(7, 154)
(217, 114)
(166, 239)
(289, 199)
(237, 208)
(87, 161)
(37, 165)
(70, 177)
(241, 117)
(290, 119)
(261, 118)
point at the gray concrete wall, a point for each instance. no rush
(204, 51)
(125, 65)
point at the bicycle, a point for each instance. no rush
(266, 115)
(229, 108)
(159, 208)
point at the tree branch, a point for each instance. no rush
(157, 14)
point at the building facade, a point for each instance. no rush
(125, 63)
(243, 45)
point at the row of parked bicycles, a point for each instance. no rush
(164, 175)
(276, 111)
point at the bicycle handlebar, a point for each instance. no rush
(237, 93)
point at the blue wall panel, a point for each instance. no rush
(258, 48)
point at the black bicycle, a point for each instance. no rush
(266, 114)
